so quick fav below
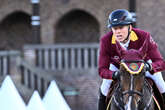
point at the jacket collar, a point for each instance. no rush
(133, 37)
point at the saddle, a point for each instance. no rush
(157, 95)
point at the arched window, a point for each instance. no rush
(15, 31)
(77, 26)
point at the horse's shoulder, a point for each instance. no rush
(111, 90)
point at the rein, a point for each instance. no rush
(151, 92)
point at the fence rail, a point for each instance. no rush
(38, 79)
(6, 60)
(64, 56)
(34, 78)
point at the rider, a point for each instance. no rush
(120, 22)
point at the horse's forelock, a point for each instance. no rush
(123, 70)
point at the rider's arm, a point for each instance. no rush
(104, 59)
(158, 63)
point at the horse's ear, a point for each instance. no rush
(144, 48)
(120, 49)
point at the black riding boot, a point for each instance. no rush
(101, 103)
(164, 99)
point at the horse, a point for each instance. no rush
(132, 91)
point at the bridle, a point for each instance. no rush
(120, 104)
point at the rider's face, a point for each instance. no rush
(121, 32)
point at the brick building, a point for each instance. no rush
(75, 21)
(62, 20)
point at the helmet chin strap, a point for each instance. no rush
(127, 38)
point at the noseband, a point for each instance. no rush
(132, 92)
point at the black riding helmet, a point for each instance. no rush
(120, 17)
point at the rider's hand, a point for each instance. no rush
(116, 75)
(148, 66)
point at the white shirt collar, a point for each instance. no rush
(125, 45)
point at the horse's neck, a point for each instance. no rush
(147, 88)
(147, 94)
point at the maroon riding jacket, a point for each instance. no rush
(109, 55)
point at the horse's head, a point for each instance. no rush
(131, 86)
(132, 75)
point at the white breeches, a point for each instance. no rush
(157, 78)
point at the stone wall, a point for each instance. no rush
(52, 11)
(151, 18)
(59, 8)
